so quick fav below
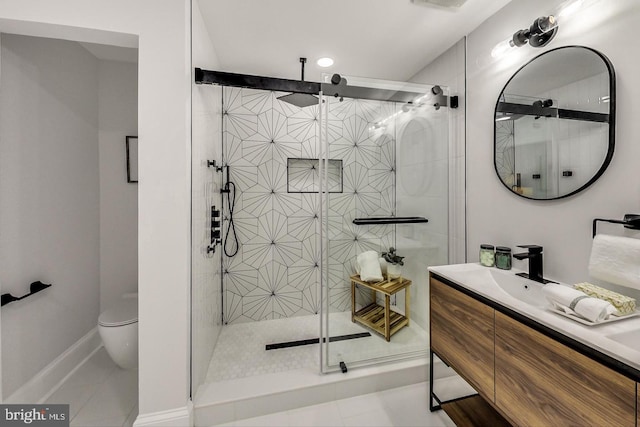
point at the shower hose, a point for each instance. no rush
(230, 190)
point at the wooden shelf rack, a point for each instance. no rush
(381, 319)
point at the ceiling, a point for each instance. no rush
(385, 39)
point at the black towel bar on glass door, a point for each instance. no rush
(34, 288)
(390, 220)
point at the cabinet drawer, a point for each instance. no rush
(539, 381)
(462, 334)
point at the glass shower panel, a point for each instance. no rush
(394, 163)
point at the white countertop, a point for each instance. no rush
(478, 279)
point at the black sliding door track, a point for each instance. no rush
(313, 88)
(255, 82)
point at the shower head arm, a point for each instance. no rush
(302, 62)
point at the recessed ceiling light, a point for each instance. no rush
(325, 62)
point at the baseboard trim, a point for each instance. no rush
(179, 417)
(47, 381)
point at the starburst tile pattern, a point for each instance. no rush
(303, 274)
(273, 297)
(305, 223)
(276, 273)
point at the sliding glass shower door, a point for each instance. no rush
(384, 186)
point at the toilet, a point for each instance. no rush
(118, 328)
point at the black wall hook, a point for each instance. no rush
(34, 288)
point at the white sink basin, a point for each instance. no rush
(490, 281)
(629, 339)
(525, 290)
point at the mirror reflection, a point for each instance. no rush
(554, 123)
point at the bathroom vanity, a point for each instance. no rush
(533, 366)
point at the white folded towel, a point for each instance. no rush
(616, 260)
(369, 266)
(572, 301)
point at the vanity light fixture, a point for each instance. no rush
(539, 34)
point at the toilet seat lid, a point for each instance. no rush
(124, 312)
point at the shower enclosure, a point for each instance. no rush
(302, 191)
(395, 195)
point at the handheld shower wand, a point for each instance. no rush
(230, 190)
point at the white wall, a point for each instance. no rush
(117, 118)
(563, 227)
(49, 216)
(164, 110)
(206, 145)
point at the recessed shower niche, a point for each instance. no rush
(303, 175)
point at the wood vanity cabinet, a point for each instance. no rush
(462, 335)
(540, 381)
(527, 376)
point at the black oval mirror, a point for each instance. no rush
(554, 132)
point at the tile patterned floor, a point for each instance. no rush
(404, 406)
(240, 350)
(100, 393)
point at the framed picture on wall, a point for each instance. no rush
(132, 158)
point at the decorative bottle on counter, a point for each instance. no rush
(487, 255)
(503, 257)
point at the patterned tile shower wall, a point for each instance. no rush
(275, 273)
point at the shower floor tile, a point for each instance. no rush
(240, 349)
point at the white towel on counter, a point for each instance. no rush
(369, 266)
(616, 260)
(572, 301)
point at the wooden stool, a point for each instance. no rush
(381, 319)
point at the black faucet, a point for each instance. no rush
(534, 255)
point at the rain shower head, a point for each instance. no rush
(300, 100)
